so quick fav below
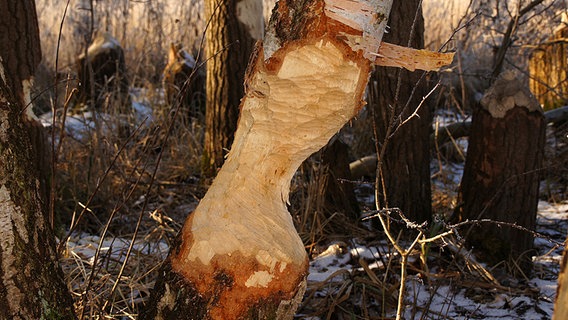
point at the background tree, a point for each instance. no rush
(32, 285)
(231, 32)
(394, 94)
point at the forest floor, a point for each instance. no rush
(354, 276)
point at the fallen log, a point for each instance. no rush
(367, 165)
(461, 129)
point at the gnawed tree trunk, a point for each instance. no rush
(561, 303)
(234, 27)
(502, 171)
(31, 281)
(239, 256)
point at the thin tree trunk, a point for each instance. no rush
(238, 255)
(31, 285)
(404, 177)
(234, 27)
(501, 175)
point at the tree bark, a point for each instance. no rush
(404, 177)
(31, 285)
(234, 27)
(238, 255)
(501, 175)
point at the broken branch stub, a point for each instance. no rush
(239, 255)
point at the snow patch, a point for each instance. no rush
(188, 59)
(85, 246)
(423, 299)
(81, 125)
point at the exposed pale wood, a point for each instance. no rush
(275, 134)
(506, 94)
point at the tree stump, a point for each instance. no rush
(502, 171)
(102, 72)
(181, 68)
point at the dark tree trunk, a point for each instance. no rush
(338, 192)
(501, 176)
(31, 285)
(405, 166)
(229, 45)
